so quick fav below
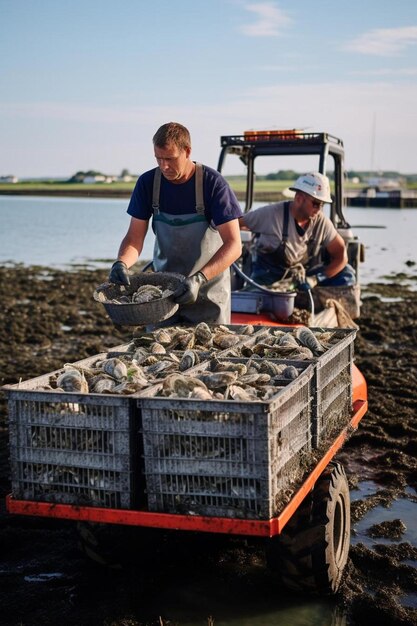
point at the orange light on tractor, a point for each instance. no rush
(267, 135)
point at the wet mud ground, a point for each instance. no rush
(48, 318)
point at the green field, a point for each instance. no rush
(238, 184)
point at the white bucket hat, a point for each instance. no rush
(315, 185)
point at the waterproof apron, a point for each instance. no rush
(280, 260)
(185, 243)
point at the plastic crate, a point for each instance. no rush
(332, 404)
(226, 458)
(71, 452)
(72, 448)
(332, 397)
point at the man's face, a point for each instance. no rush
(308, 206)
(173, 162)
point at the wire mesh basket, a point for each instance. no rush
(134, 313)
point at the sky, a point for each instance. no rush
(84, 84)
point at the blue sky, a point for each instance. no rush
(84, 84)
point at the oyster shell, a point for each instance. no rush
(180, 385)
(219, 366)
(146, 293)
(189, 359)
(287, 340)
(157, 348)
(199, 393)
(203, 334)
(290, 372)
(240, 394)
(225, 340)
(273, 369)
(113, 367)
(72, 379)
(103, 384)
(162, 336)
(254, 379)
(308, 339)
(214, 380)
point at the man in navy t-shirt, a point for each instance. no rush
(195, 220)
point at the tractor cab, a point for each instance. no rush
(261, 166)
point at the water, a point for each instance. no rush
(62, 232)
(403, 508)
(58, 232)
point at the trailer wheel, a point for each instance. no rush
(311, 552)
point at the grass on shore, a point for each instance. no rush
(238, 185)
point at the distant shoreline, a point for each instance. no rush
(70, 193)
(263, 196)
(259, 196)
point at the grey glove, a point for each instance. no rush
(119, 273)
(187, 292)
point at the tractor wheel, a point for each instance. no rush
(312, 550)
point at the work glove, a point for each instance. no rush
(119, 273)
(309, 283)
(187, 292)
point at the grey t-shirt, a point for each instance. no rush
(268, 222)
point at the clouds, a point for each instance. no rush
(270, 20)
(384, 41)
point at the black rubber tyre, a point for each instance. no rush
(312, 551)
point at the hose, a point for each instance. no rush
(270, 291)
(252, 282)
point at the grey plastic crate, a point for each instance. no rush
(226, 458)
(71, 448)
(332, 405)
(332, 398)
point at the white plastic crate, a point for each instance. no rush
(226, 458)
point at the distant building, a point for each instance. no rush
(98, 178)
(9, 179)
(385, 184)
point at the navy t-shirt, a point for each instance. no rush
(220, 202)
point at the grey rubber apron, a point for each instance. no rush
(185, 243)
(279, 259)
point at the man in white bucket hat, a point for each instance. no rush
(297, 234)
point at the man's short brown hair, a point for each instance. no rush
(172, 132)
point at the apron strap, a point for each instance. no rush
(199, 195)
(199, 192)
(285, 224)
(156, 190)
